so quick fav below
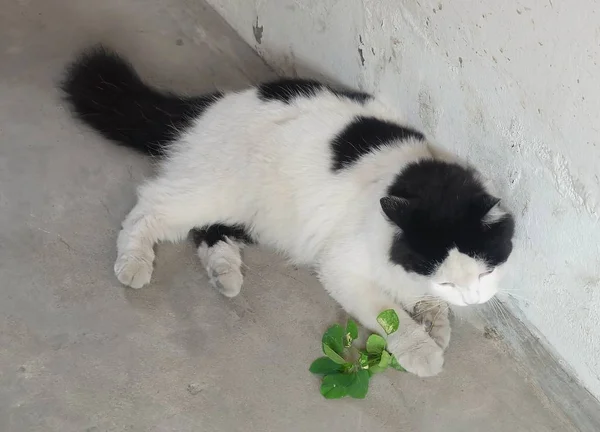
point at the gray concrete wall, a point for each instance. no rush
(512, 87)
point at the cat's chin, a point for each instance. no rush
(457, 297)
(455, 302)
(462, 304)
(459, 301)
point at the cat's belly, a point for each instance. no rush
(301, 243)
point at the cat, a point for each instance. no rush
(328, 176)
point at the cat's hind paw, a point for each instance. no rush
(223, 263)
(226, 279)
(133, 270)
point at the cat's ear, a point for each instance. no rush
(489, 203)
(395, 208)
(488, 208)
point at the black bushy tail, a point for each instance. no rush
(106, 93)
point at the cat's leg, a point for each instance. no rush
(219, 248)
(433, 315)
(414, 349)
(165, 211)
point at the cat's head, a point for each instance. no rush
(451, 230)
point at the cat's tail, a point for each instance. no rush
(104, 91)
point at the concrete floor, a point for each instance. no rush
(78, 352)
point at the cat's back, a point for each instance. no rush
(311, 107)
(299, 120)
(286, 125)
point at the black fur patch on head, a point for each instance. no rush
(365, 135)
(104, 91)
(439, 206)
(359, 97)
(213, 234)
(285, 90)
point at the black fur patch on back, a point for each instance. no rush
(443, 207)
(365, 135)
(213, 234)
(104, 91)
(286, 90)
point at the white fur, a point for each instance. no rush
(267, 165)
(464, 281)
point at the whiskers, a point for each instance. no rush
(422, 305)
(512, 294)
(430, 301)
(500, 310)
(502, 317)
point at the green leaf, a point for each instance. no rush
(347, 368)
(363, 360)
(394, 363)
(338, 385)
(374, 359)
(375, 369)
(386, 358)
(379, 363)
(324, 366)
(351, 332)
(360, 386)
(335, 386)
(389, 321)
(375, 344)
(329, 352)
(334, 338)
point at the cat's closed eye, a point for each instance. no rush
(448, 284)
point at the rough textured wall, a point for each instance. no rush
(512, 88)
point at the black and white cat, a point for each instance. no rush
(330, 177)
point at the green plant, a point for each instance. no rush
(346, 369)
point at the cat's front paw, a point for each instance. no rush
(421, 356)
(133, 270)
(433, 315)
